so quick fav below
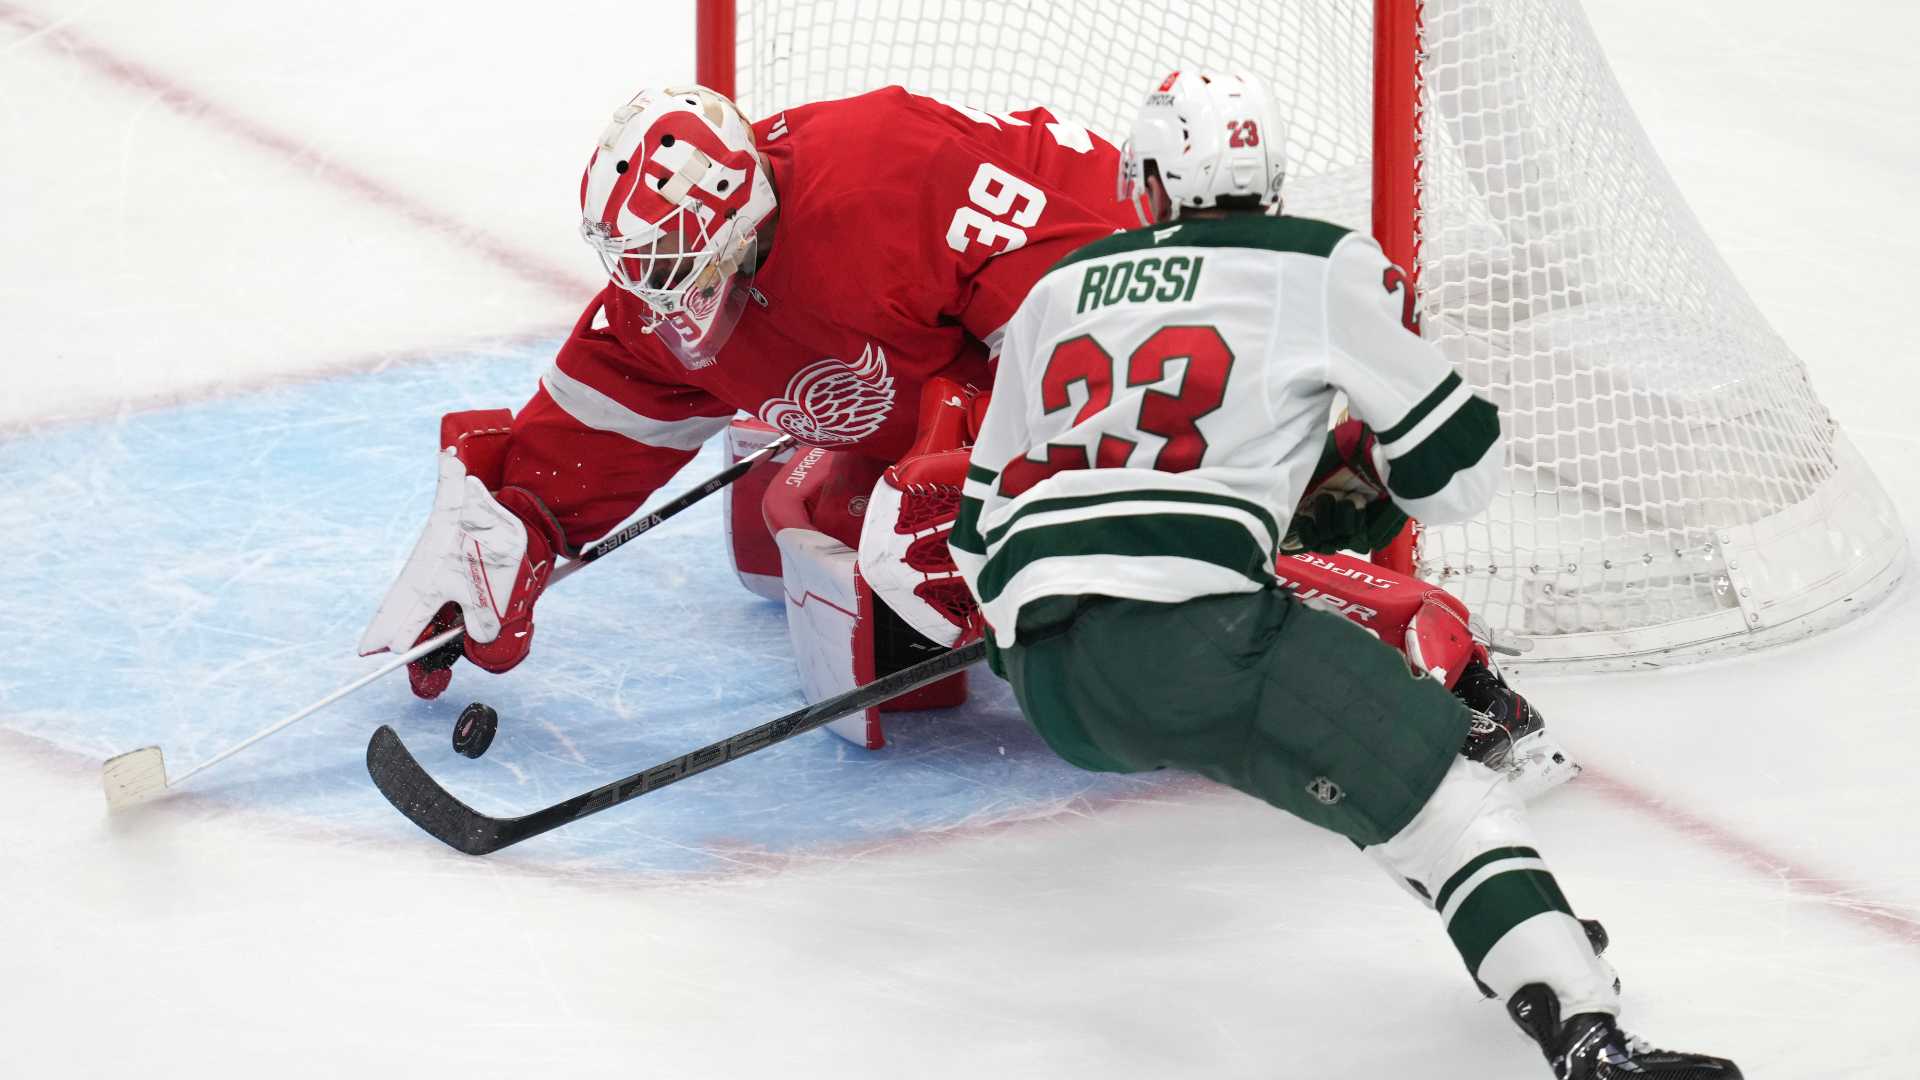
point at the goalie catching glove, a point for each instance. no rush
(903, 538)
(481, 563)
(1346, 506)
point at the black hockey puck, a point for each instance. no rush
(473, 732)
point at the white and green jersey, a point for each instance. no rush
(1162, 399)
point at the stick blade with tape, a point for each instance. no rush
(134, 777)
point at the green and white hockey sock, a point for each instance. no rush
(1470, 854)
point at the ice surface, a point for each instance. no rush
(959, 905)
(205, 563)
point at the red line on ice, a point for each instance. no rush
(1833, 893)
(192, 105)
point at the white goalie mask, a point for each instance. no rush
(1208, 136)
(672, 201)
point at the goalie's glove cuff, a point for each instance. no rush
(513, 610)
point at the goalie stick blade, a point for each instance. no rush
(424, 802)
(134, 777)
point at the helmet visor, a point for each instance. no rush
(695, 286)
(711, 306)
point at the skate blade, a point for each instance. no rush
(1537, 764)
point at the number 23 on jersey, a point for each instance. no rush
(1172, 416)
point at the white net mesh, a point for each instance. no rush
(1673, 482)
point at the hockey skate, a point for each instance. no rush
(1591, 1046)
(1509, 736)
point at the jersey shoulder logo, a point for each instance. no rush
(831, 401)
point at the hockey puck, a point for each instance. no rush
(473, 732)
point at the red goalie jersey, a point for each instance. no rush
(908, 232)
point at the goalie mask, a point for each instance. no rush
(672, 202)
(1208, 136)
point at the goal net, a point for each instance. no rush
(1673, 485)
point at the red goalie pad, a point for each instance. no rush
(841, 636)
(1425, 622)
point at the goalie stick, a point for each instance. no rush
(138, 775)
(425, 803)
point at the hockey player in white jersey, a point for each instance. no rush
(1160, 406)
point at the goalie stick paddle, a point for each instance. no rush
(139, 775)
(425, 803)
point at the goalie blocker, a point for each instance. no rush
(795, 535)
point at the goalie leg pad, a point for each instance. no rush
(751, 550)
(1437, 641)
(842, 636)
(1378, 600)
(1429, 626)
(822, 610)
(1425, 622)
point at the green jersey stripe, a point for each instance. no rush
(1460, 877)
(1501, 903)
(1137, 495)
(966, 528)
(1303, 235)
(1201, 537)
(980, 473)
(1456, 444)
(1419, 411)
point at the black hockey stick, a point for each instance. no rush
(425, 803)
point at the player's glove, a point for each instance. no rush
(1346, 506)
(903, 539)
(481, 563)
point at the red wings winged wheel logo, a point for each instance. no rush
(832, 401)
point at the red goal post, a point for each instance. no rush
(714, 33)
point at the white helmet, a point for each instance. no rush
(1209, 136)
(672, 201)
